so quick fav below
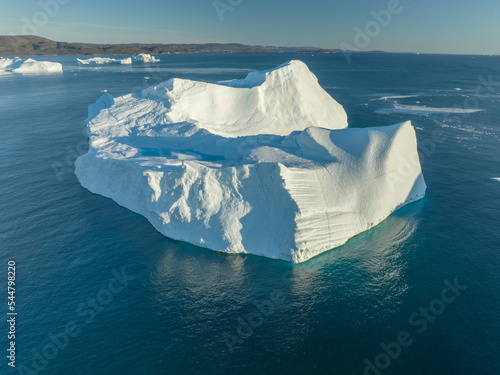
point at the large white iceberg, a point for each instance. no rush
(29, 66)
(263, 165)
(142, 57)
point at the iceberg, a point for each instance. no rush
(145, 58)
(6, 64)
(29, 66)
(104, 60)
(263, 165)
(142, 57)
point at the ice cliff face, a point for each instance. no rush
(261, 165)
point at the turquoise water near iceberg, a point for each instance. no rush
(136, 302)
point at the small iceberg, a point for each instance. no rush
(145, 58)
(29, 66)
(142, 57)
(263, 165)
(104, 60)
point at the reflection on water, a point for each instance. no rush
(196, 292)
(199, 273)
(370, 266)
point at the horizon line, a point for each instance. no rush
(336, 50)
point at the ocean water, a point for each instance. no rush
(99, 291)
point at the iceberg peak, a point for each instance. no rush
(276, 101)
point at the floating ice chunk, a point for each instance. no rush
(143, 57)
(390, 97)
(423, 110)
(262, 165)
(29, 66)
(104, 60)
(6, 64)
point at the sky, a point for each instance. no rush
(427, 26)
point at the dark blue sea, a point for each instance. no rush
(99, 291)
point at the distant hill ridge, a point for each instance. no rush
(29, 45)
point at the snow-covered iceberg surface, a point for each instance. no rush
(29, 66)
(143, 57)
(262, 165)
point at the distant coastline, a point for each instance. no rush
(28, 45)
